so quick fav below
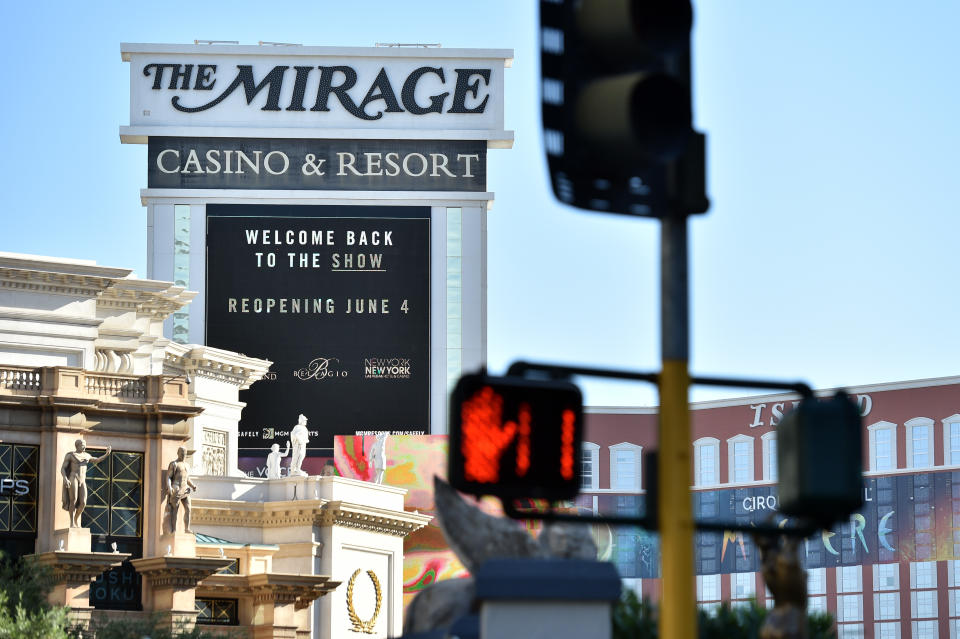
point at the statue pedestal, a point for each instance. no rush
(170, 584)
(561, 598)
(180, 544)
(72, 573)
(74, 539)
(294, 487)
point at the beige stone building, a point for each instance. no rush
(82, 355)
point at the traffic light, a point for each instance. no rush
(615, 95)
(820, 460)
(513, 437)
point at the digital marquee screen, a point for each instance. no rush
(337, 297)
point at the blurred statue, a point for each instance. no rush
(475, 537)
(329, 469)
(179, 487)
(787, 580)
(74, 473)
(378, 456)
(273, 460)
(300, 437)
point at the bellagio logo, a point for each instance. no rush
(386, 368)
(320, 368)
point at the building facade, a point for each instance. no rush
(83, 357)
(328, 205)
(890, 572)
(316, 243)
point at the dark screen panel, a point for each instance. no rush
(337, 297)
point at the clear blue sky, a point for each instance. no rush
(830, 253)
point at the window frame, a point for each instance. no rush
(706, 442)
(910, 425)
(842, 572)
(894, 571)
(886, 605)
(929, 604)
(816, 581)
(748, 579)
(769, 460)
(927, 570)
(855, 599)
(637, 450)
(948, 459)
(714, 582)
(731, 459)
(917, 633)
(233, 618)
(872, 430)
(593, 451)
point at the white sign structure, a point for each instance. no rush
(325, 137)
(316, 92)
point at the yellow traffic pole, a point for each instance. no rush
(678, 609)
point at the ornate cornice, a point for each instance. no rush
(214, 363)
(79, 568)
(48, 317)
(224, 512)
(308, 512)
(271, 587)
(391, 522)
(146, 297)
(113, 288)
(47, 282)
(59, 266)
(178, 572)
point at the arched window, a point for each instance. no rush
(883, 446)
(706, 461)
(769, 444)
(625, 459)
(590, 467)
(951, 440)
(919, 442)
(740, 458)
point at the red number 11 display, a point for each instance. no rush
(514, 437)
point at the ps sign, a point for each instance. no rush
(18, 487)
(513, 437)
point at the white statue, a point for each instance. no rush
(273, 461)
(300, 437)
(378, 455)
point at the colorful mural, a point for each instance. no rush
(412, 462)
(906, 517)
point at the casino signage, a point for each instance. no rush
(332, 82)
(337, 298)
(329, 206)
(904, 518)
(322, 92)
(351, 165)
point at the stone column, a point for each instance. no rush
(281, 602)
(275, 614)
(170, 586)
(72, 574)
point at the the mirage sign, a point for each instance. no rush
(319, 88)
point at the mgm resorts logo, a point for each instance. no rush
(386, 368)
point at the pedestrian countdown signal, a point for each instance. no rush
(513, 437)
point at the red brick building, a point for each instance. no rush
(892, 571)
